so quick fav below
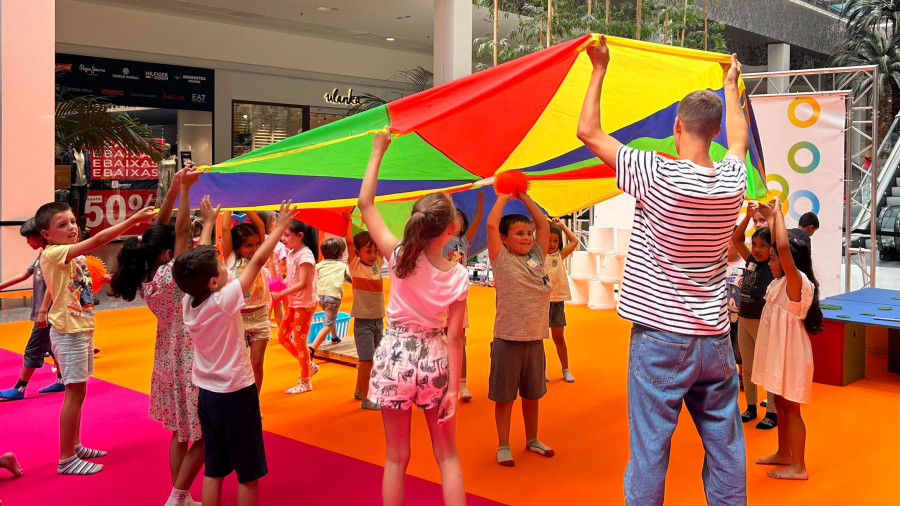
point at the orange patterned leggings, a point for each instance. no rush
(296, 321)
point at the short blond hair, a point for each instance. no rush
(701, 113)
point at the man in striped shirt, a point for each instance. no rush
(674, 287)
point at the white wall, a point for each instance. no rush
(26, 123)
(105, 26)
(251, 64)
(194, 138)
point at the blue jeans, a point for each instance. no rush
(665, 369)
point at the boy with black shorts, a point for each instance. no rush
(228, 403)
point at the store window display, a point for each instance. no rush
(77, 158)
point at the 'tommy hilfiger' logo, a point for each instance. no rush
(156, 76)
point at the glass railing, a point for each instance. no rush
(832, 6)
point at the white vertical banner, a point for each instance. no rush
(803, 147)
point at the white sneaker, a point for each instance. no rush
(313, 368)
(568, 376)
(301, 388)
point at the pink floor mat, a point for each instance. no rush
(136, 470)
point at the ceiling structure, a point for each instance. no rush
(406, 25)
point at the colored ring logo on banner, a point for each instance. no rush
(785, 188)
(798, 195)
(792, 157)
(804, 123)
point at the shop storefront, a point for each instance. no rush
(175, 102)
(257, 124)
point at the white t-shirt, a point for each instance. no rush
(683, 221)
(420, 300)
(221, 361)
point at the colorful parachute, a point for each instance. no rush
(454, 137)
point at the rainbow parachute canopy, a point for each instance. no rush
(521, 115)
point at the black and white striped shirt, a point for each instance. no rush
(684, 217)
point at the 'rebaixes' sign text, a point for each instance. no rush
(114, 162)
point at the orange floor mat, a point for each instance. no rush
(853, 447)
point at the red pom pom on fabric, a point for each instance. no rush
(97, 270)
(276, 285)
(511, 182)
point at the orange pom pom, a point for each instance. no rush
(97, 269)
(511, 182)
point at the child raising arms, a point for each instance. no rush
(783, 363)
(559, 293)
(457, 250)
(300, 238)
(756, 279)
(416, 364)
(238, 248)
(517, 247)
(144, 265)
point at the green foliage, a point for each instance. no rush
(90, 121)
(873, 15)
(872, 37)
(570, 20)
(411, 82)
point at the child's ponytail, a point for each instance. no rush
(137, 260)
(802, 256)
(310, 236)
(431, 215)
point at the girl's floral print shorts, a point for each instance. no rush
(411, 368)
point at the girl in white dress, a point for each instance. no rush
(783, 363)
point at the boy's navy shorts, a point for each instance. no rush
(232, 434)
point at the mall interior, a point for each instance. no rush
(215, 80)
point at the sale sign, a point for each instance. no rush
(106, 208)
(114, 162)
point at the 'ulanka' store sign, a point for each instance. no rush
(333, 97)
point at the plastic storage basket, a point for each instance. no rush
(341, 326)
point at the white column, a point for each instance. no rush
(452, 40)
(27, 64)
(779, 59)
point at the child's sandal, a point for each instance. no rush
(769, 422)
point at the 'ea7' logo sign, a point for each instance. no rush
(198, 97)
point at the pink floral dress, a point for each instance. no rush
(173, 397)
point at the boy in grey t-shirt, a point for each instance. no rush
(517, 247)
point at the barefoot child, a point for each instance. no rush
(72, 320)
(559, 294)
(300, 238)
(757, 276)
(517, 247)
(39, 343)
(783, 363)
(238, 248)
(228, 402)
(144, 266)
(331, 272)
(457, 250)
(368, 307)
(416, 363)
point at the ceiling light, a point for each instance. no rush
(324, 8)
(390, 39)
(245, 116)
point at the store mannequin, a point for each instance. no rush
(79, 162)
(166, 170)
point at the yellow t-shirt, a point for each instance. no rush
(70, 286)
